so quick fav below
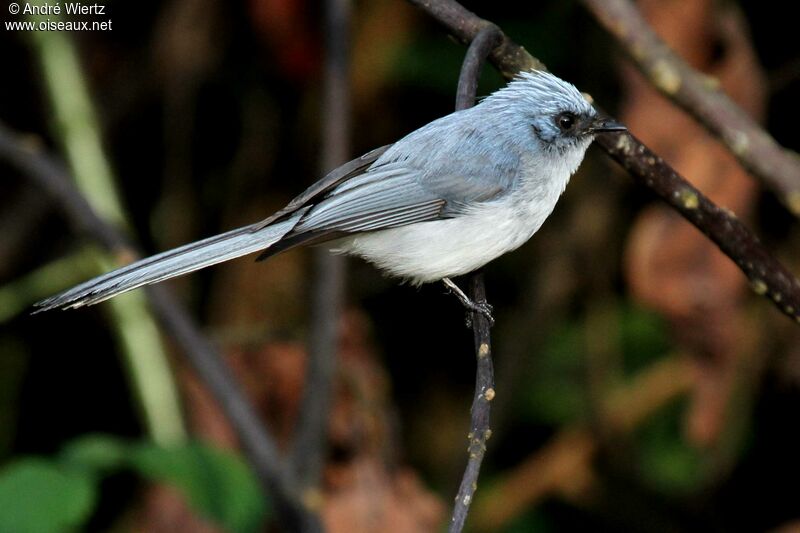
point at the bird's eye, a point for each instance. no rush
(565, 121)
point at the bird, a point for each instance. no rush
(443, 201)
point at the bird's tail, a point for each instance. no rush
(175, 262)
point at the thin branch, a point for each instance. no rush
(768, 277)
(329, 270)
(484, 42)
(757, 151)
(259, 446)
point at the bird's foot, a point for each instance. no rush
(479, 307)
(472, 307)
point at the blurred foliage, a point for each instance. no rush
(556, 395)
(38, 496)
(44, 495)
(556, 388)
(666, 461)
(533, 522)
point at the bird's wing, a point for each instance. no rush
(436, 172)
(332, 179)
(365, 194)
(384, 197)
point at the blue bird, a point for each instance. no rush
(440, 202)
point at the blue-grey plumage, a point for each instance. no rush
(443, 201)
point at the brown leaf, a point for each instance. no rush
(363, 489)
(366, 497)
(164, 510)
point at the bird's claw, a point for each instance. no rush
(483, 308)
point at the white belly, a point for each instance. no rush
(430, 251)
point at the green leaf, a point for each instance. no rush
(668, 463)
(217, 483)
(673, 468)
(36, 495)
(643, 338)
(95, 454)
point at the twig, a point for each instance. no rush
(258, 444)
(767, 275)
(483, 43)
(329, 270)
(700, 95)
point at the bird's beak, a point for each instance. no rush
(603, 124)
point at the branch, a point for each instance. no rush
(485, 41)
(258, 445)
(310, 436)
(768, 277)
(698, 94)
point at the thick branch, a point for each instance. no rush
(259, 446)
(767, 275)
(777, 167)
(485, 41)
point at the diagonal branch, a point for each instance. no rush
(757, 151)
(259, 446)
(768, 277)
(484, 42)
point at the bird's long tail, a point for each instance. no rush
(175, 262)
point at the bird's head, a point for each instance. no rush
(557, 115)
